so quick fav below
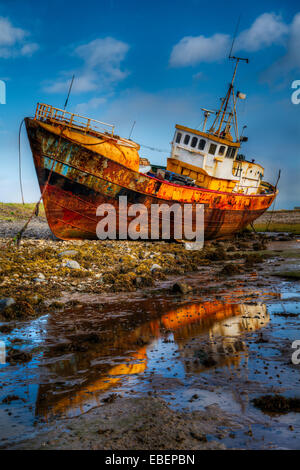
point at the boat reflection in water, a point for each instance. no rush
(79, 379)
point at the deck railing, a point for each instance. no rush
(47, 113)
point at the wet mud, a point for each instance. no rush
(196, 355)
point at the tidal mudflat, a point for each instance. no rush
(148, 346)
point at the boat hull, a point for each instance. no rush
(76, 180)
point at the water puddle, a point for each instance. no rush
(192, 352)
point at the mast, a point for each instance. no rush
(223, 111)
(207, 113)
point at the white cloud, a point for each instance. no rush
(85, 82)
(107, 51)
(290, 61)
(94, 103)
(9, 35)
(29, 49)
(13, 41)
(198, 76)
(193, 50)
(266, 30)
(101, 67)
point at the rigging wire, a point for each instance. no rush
(20, 166)
(154, 149)
(274, 203)
(17, 238)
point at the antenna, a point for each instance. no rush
(234, 36)
(207, 113)
(233, 41)
(70, 88)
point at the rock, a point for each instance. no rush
(40, 278)
(8, 302)
(138, 281)
(218, 254)
(71, 264)
(199, 436)
(155, 267)
(10, 398)
(15, 355)
(181, 288)
(230, 269)
(253, 258)
(277, 403)
(111, 398)
(258, 246)
(68, 253)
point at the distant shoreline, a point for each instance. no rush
(284, 220)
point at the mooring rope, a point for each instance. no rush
(17, 238)
(20, 166)
(270, 220)
(274, 203)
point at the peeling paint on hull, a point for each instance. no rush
(81, 180)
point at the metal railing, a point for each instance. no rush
(47, 113)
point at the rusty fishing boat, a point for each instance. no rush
(81, 163)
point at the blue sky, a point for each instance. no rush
(156, 63)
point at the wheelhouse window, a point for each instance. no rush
(230, 152)
(201, 144)
(212, 149)
(178, 138)
(222, 150)
(186, 139)
(194, 142)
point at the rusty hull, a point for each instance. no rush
(80, 179)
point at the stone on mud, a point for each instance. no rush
(230, 269)
(68, 253)
(4, 303)
(277, 403)
(155, 267)
(71, 264)
(181, 288)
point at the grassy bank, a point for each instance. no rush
(11, 211)
(277, 227)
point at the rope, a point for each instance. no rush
(274, 203)
(20, 168)
(270, 220)
(18, 237)
(154, 149)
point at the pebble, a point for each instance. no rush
(181, 287)
(71, 264)
(40, 278)
(4, 303)
(68, 253)
(155, 267)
